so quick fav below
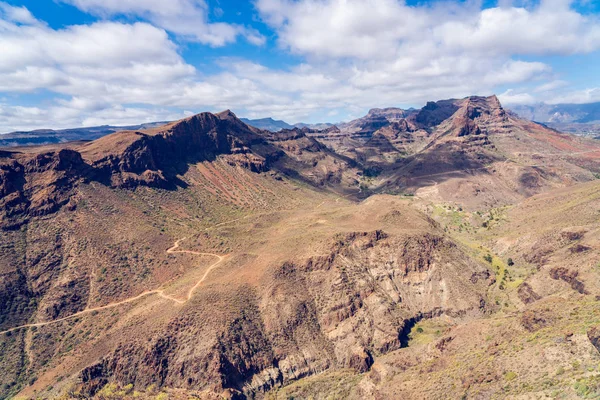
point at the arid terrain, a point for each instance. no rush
(447, 252)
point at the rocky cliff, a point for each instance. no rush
(342, 309)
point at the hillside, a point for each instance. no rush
(470, 150)
(210, 258)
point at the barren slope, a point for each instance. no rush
(213, 259)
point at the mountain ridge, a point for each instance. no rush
(340, 251)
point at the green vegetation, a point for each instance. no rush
(428, 331)
(510, 375)
(588, 388)
(329, 385)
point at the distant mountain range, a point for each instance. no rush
(50, 136)
(560, 113)
(580, 119)
(275, 125)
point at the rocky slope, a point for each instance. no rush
(210, 258)
(287, 329)
(37, 181)
(470, 148)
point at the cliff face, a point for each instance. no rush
(34, 184)
(157, 156)
(307, 281)
(38, 184)
(339, 310)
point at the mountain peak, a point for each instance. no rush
(390, 113)
(227, 114)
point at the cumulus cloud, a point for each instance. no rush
(16, 14)
(355, 54)
(186, 18)
(20, 118)
(382, 29)
(512, 97)
(590, 95)
(551, 86)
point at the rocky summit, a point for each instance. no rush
(446, 252)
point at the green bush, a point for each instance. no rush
(510, 375)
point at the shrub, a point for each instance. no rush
(488, 258)
(510, 375)
(510, 262)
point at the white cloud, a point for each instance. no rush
(186, 18)
(547, 94)
(550, 86)
(18, 118)
(355, 55)
(590, 95)
(343, 28)
(16, 14)
(511, 97)
(547, 29)
(88, 60)
(517, 71)
(103, 44)
(384, 29)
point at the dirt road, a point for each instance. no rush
(159, 292)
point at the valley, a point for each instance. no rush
(447, 252)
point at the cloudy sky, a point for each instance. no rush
(69, 63)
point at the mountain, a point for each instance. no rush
(49, 136)
(469, 149)
(268, 124)
(383, 258)
(318, 127)
(543, 252)
(581, 119)
(565, 113)
(157, 157)
(272, 125)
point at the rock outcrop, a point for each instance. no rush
(339, 310)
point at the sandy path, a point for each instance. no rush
(159, 292)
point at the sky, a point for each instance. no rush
(72, 63)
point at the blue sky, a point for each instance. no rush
(68, 63)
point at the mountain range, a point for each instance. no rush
(561, 113)
(580, 119)
(445, 252)
(276, 125)
(50, 136)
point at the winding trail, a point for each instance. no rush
(160, 292)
